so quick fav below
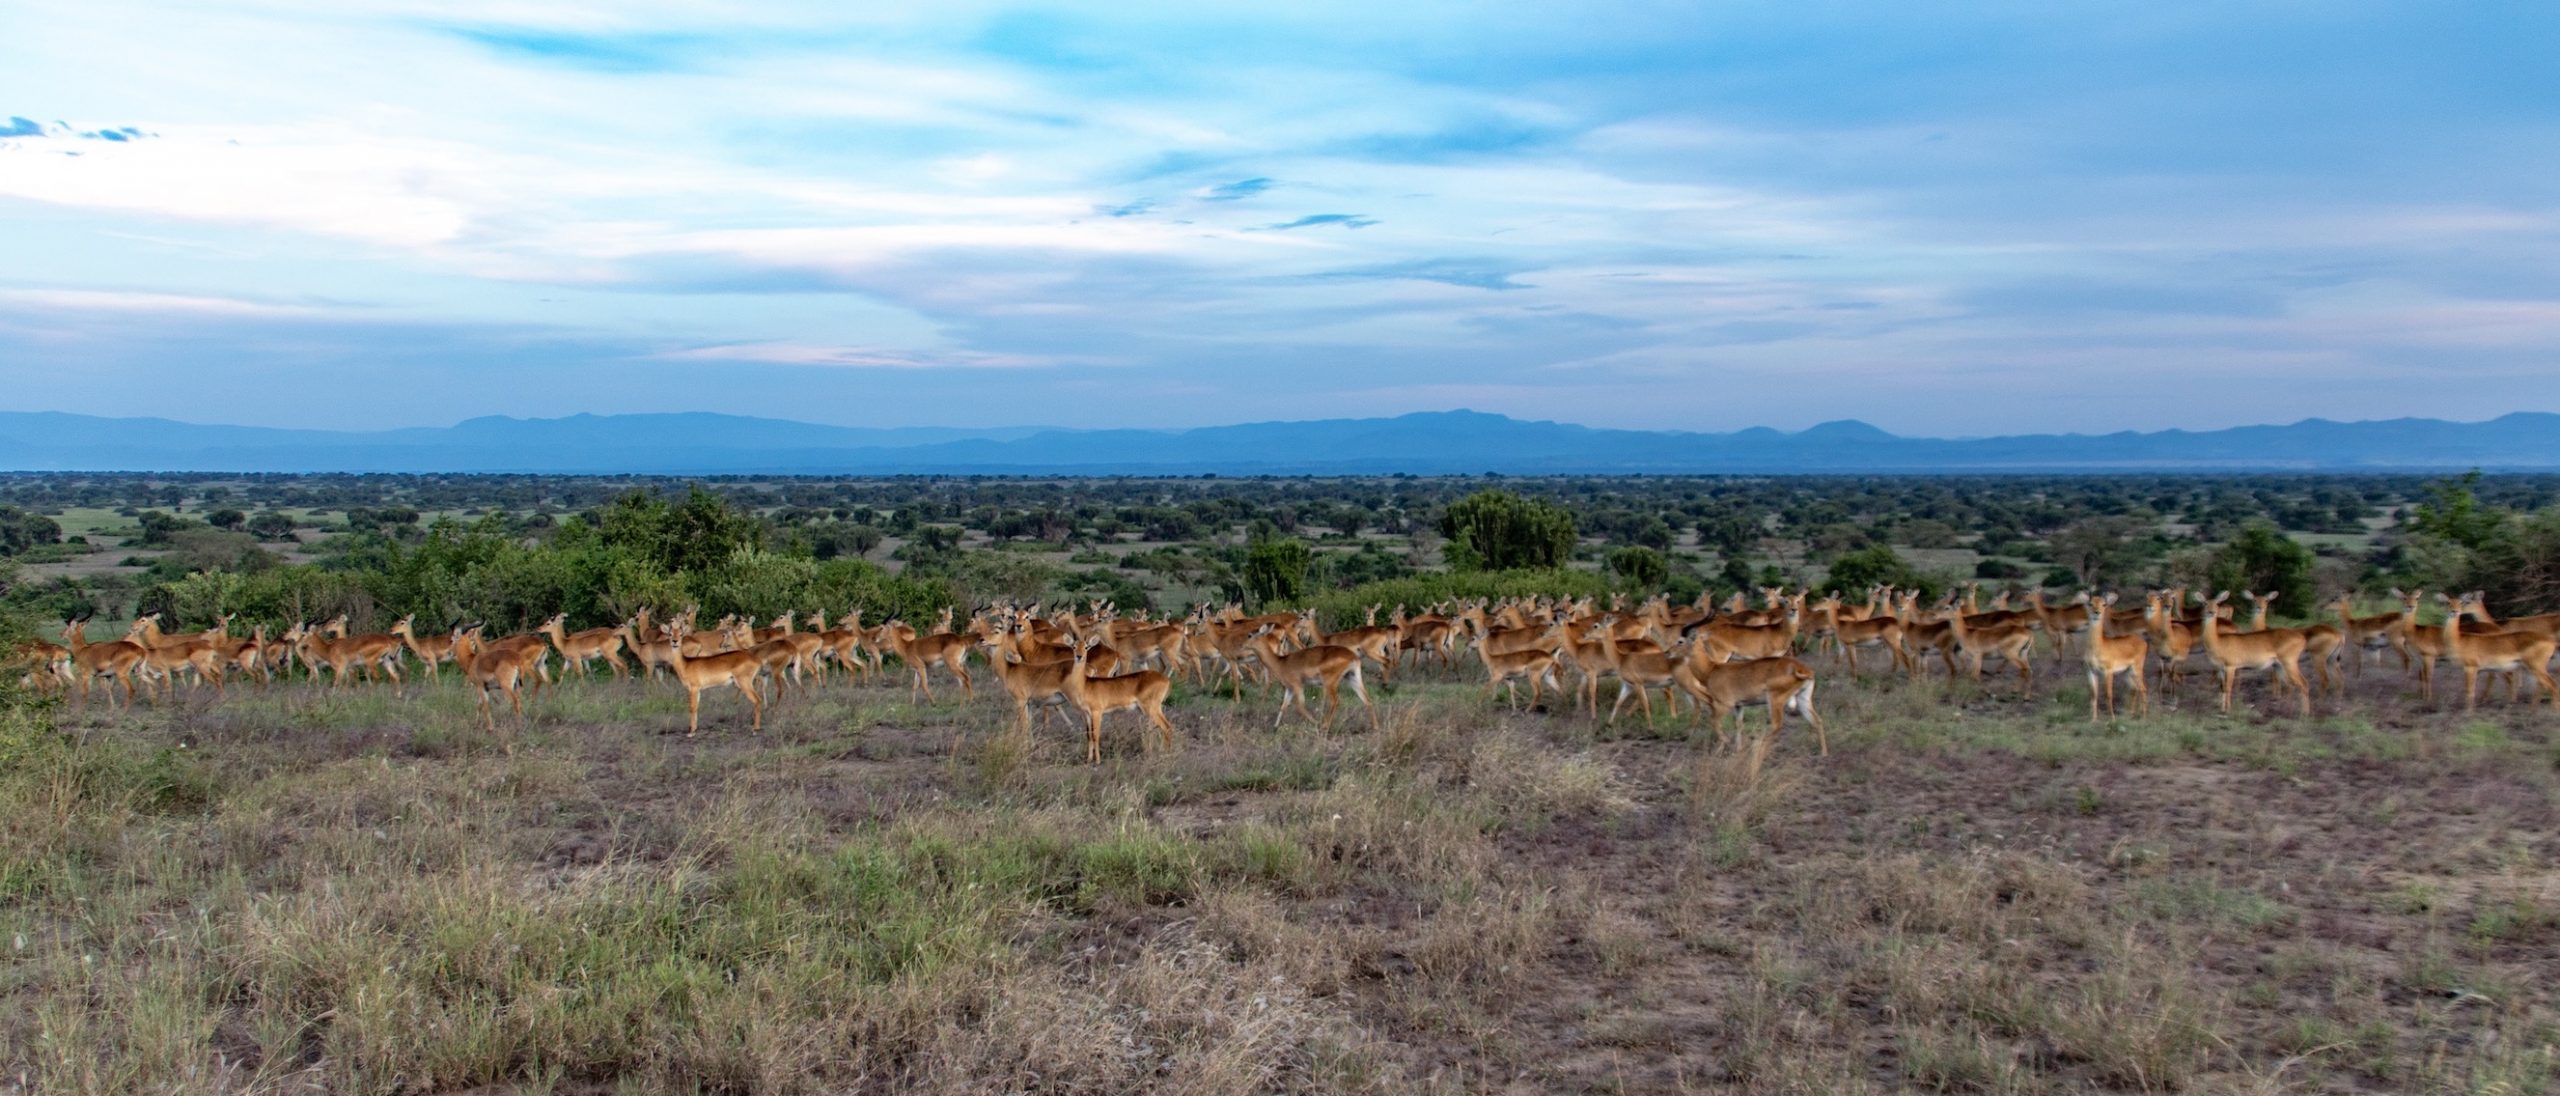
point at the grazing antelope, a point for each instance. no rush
(2279, 651)
(733, 669)
(2109, 654)
(1323, 664)
(1782, 683)
(2504, 651)
(1144, 691)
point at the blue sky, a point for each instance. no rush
(1945, 219)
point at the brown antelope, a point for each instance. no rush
(2373, 634)
(1322, 664)
(1852, 635)
(1043, 682)
(2320, 642)
(2069, 621)
(2547, 624)
(1427, 636)
(165, 655)
(1639, 672)
(1781, 683)
(1505, 671)
(2279, 651)
(1374, 641)
(1144, 691)
(116, 660)
(42, 665)
(248, 656)
(2502, 651)
(949, 650)
(2109, 654)
(733, 669)
(347, 655)
(432, 650)
(2172, 640)
(1726, 639)
(501, 666)
(2008, 637)
(1577, 646)
(580, 648)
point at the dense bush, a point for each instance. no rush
(1494, 530)
(1345, 608)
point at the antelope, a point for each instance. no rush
(2373, 634)
(921, 653)
(1638, 672)
(733, 669)
(2074, 618)
(647, 648)
(116, 660)
(1852, 634)
(1096, 697)
(1781, 683)
(432, 650)
(2320, 642)
(1028, 682)
(1373, 641)
(1425, 636)
(578, 649)
(500, 666)
(2280, 651)
(2504, 651)
(43, 662)
(2171, 639)
(1590, 663)
(1323, 664)
(2010, 638)
(249, 656)
(2109, 654)
(346, 655)
(1724, 639)
(1504, 671)
(165, 655)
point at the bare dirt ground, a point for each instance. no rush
(1972, 893)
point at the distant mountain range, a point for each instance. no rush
(1447, 442)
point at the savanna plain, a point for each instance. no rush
(298, 887)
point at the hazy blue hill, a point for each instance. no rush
(1427, 442)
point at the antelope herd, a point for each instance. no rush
(1717, 658)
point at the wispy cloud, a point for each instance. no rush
(1616, 209)
(855, 357)
(1238, 190)
(1313, 220)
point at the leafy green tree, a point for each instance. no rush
(1854, 572)
(1642, 568)
(1495, 530)
(2453, 512)
(270, 525)
(2261, 559)
(1275, 570)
